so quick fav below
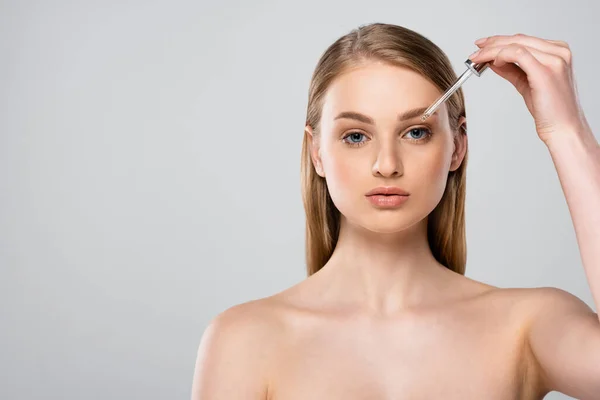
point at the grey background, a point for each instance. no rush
(149, 173)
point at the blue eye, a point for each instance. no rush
(422, 137)
(354, 138)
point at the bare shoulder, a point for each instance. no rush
(555, 298)
(531, 301)
(234, 352)
(536, 318)
(562, 339)
(251, 318)
(524, 305)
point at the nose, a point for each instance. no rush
(388, 162)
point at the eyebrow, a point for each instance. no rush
(409, 114)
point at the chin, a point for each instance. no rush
(388, 221)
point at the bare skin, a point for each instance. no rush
(383, 319)
(465, 341)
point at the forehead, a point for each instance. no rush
(379, 89)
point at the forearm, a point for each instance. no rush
(576, 156)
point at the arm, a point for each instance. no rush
(564, 334)
(231, 357)
(576, 156)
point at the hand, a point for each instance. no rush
(543, 76)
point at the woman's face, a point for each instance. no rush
(365, 143)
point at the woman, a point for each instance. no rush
(386, 312)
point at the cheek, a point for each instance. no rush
(347, 176)
(435, 164)
(430, 173)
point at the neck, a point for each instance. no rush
(383, 272)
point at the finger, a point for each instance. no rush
(515, 75)
(556, 47)
(561, 43)
(531, 60)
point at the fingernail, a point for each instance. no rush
(474, 54)
(481, 41)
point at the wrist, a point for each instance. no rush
(572, 136)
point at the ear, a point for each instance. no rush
(460, 144)
(315, 150)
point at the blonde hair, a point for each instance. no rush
(402, 47)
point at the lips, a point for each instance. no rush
(387, 201)
(387, 191)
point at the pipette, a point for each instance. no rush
(472, 69)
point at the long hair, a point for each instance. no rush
(402, 47)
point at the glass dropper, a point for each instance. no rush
(472, 69)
